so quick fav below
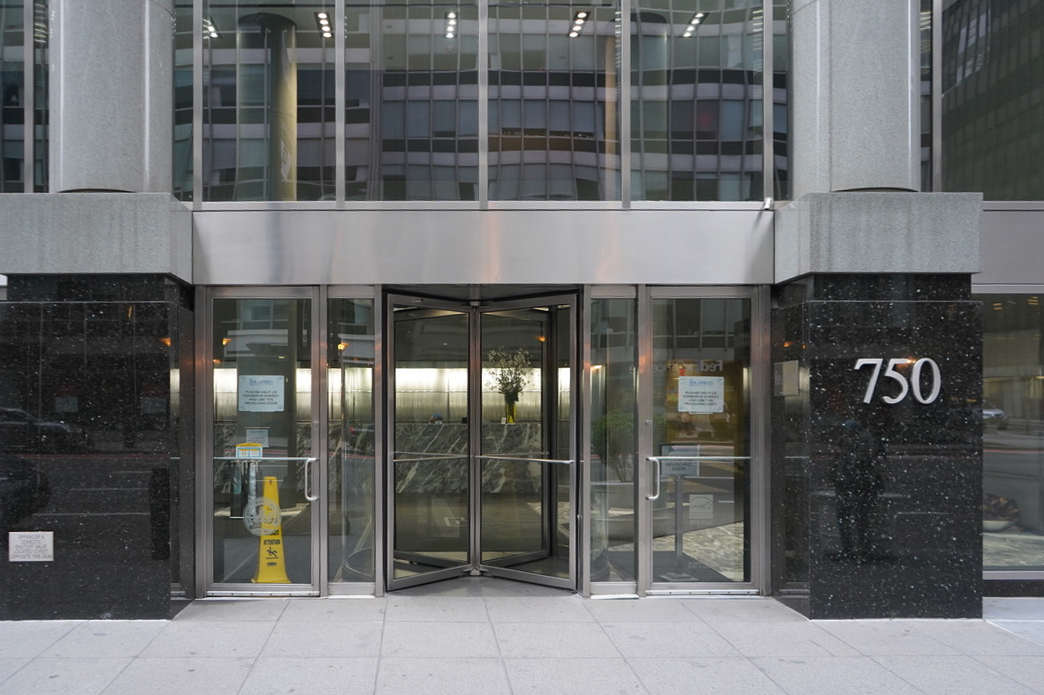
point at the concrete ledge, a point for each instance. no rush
(95, 233)
(878, 232)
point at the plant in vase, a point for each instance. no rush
(998, 513)
(511, 369)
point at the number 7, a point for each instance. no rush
(876, 362)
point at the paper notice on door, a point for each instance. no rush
(701, 394)
(260, 393)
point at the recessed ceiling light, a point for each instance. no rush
(451, 15)
(574, 34)
(322, 15)
(581, 15)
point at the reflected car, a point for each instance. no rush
(23, 490)
(22, 431)
(994, 417)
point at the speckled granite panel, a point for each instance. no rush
(877, 511)
(95, 446)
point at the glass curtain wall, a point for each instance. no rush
(696, 110)
(351, 439)
(12, 92)
(182, 147)
(554, 81)
(1013, 432)
(780, 99)
(268, 101)
(411, 100)
(614, 364)
(550, 82)
(991, 116)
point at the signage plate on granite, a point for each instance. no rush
(30, 546)
(260, 393)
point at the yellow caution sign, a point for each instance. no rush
(271, 561)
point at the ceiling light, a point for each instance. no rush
(574, 34)
(581, 15)
(322, 15)
(451, 15)
(327, 35)
(451, 22)
(449, 34)
(213, 34)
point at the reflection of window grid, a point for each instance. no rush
(547, 126)
(182, 148)
(235, 133)
(712, 75)
(12, 92)
(780, 104)
(409, 73)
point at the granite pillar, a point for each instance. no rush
(96, 431)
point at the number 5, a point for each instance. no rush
(892, 374)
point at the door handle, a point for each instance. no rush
(308, 481)
(656, 477)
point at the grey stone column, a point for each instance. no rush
(277, 35)
(856, 95)
(111, 97)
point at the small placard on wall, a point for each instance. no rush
(30, 546)
(701, 394)
(261, 393)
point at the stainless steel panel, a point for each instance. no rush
(644, 392)
(505, 246)
(1012, 245)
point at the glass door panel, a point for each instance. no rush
(263, 461)
(527, 442)
(701, 440)
(351, 439)
(430, 452)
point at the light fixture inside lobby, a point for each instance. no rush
(451, 24)
(693, 23)
(209, 30)
(322, 21)
(578, 23)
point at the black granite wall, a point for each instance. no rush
(96, 402)
(876, 506)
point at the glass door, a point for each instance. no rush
(696, 442)
(262, 426)
(429, 451)
(481, 471)
(527, 442)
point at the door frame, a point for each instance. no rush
(760, 432)
(474, 310)
(204, 338)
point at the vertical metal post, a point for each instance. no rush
(645, 440)
(321, 420)
(584, 460)
(483, 104)
(339, 100)
(475, 434)
(768, 125)
(937, 61)
(575, 410)
(204, 462)
(387, 472)
(197, 103)
(28, 97)
(761, 435)
(377, 389)
(625, 103)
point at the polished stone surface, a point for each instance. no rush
(95, 445)
(56, 233)
(878, 232)
(878, 511)
(855, 120)
(481, 635)
(111, 103)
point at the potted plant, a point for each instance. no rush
(511, 371)
(998, 513)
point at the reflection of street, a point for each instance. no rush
(717, 547)
(1013, 470)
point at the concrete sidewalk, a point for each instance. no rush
(489, 637)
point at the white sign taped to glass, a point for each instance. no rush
(261, 393)
(701, 394)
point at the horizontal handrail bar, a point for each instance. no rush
(490, 457)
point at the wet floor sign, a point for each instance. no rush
(271, 561)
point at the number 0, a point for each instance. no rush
(915, 379)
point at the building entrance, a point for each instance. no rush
(481, 472)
